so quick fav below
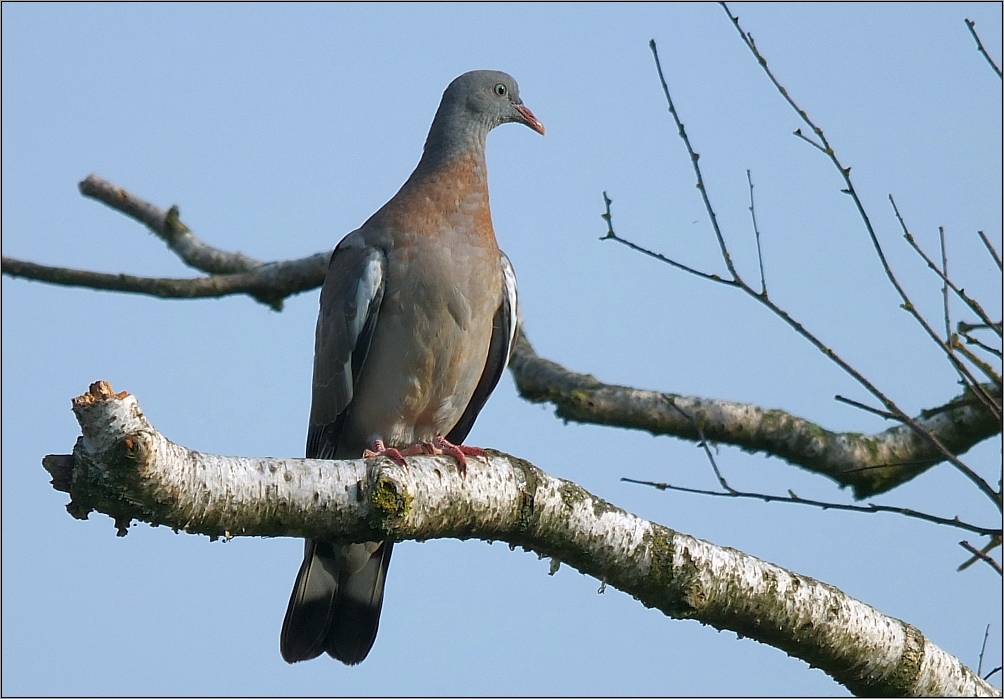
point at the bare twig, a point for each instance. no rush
(703, 443)
(944, 286)
(167, 226)
(970, 340)
(990, 247)
(983, 649)
(756, 232)
(990, 372)
(911, 308)
(269, 283)
(792, 498)
(979, 45)
(946, 347)
(885, 414)
(973, 304)
(694, 157)
(230, 273)
(982, 556)
(994, 542)
(611, 235)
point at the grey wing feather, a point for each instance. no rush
(350, 303)
(504, 325)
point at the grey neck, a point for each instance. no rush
(454, 133)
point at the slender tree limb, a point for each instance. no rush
(167, 226)
(979, 46)
(231, 272)
(970, 340)
(123, 467)
(870, 464)
(983, 554)
(611, 235)
(990, 248)
(973, 304)
(870, 508)
(884, 414)
(756, 233)
(269, 283)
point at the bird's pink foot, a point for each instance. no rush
(390, 452)
(439, 446)
(459, 452)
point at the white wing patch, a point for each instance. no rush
(360, 307)
(366, 291)
(509, 289)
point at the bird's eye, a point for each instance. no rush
(500, 90)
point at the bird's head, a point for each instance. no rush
(490, 97)
(472, 105)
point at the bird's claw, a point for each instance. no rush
(439, 446)
(390, 452)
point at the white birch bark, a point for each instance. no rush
(123, 467)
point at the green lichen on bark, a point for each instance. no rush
(388, 505)
(527, 479)
(667, 587)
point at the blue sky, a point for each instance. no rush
(279, 128)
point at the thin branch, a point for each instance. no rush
(983, 649)
(694, 157)
(961, 368)
(167, 226)
(990, 247)
(944, 286)
(884, 414)
(970, 340)
(756, 232)
(792, 498)
(703, 443)
(994, 542)
(982, 556)
(268, 284)
(974, 305)
(231, 273)
(611, 235)
(979, 45)
(968, 327)
(983, 366)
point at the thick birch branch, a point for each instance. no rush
(870, 464)
(122, 467)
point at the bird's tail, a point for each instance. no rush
(335, 605)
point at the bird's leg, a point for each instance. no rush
(390, 452)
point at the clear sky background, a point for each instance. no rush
(277, 129)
